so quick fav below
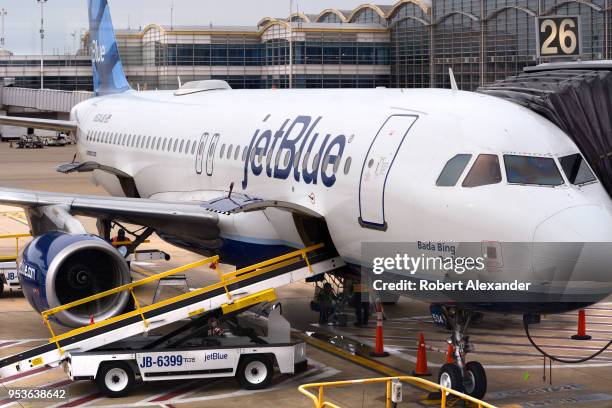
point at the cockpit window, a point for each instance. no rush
(484, 171)
(541, 171)
(453, 170)
(576, 170)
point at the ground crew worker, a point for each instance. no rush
(361, 302)
(326, 298)
(120, 237)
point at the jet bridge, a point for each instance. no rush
(235, 291)
(575, 96)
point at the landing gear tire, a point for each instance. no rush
(255, 372)
(115, 379)
(475, 380)
(1, 287)
(450, 377)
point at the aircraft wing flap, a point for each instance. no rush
(236, 203)
(44, 124)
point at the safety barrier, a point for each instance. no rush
(319, 399)
(226, 280)
(16, 237)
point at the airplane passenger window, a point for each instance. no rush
(484, 171)
(193, 147)
(175, 145)
(187, 147)
(148, 142)
(576, 169)
(164, 145)
(222, 151)
(153, 143)
(143, 141)
(170, 144)
(541, 171)
(347, 165)
(287, 157)
(114, 141)
(229, 151)
(237, 153)
(245, 152)
(159, 139)
(453, 170)
(138, 141)
(181, 146)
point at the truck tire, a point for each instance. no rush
(115, 379)
(255, 372)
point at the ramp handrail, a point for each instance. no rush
(319, 399)
(227, 279)
(16, 237)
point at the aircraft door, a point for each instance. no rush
(210, 158)
(200, 153)
(376, 168)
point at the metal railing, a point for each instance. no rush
(226, 280)
(320, 402)
(16, 237)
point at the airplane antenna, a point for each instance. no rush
(179, 82)
(454, 86)
(74, 158)
(231, 190)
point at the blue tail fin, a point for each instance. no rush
(108, 75)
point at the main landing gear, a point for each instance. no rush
(467, 377)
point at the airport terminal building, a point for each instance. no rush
(411, 43)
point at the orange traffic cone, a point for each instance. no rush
(421, 364)
(581, 335)
(379, 350)
(450, 354)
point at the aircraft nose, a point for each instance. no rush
(585, 223)
(572, 250)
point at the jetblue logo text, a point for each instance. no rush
(98, 52)
(295, 150)
(215, 356)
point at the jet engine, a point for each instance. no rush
(58, 268)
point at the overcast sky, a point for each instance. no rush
(63, 17)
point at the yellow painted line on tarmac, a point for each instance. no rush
(359, 360)
(18, 216)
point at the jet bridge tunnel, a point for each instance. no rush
(575, 96)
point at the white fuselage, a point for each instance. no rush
(388, 180)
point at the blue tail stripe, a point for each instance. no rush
(108, 74)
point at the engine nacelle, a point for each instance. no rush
(59, 268)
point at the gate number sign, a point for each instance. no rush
(558, 36)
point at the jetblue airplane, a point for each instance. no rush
(252, 174)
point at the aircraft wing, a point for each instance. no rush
(45, 124)
(182, 217)
(152, 213)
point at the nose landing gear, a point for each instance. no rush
(467, 377)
